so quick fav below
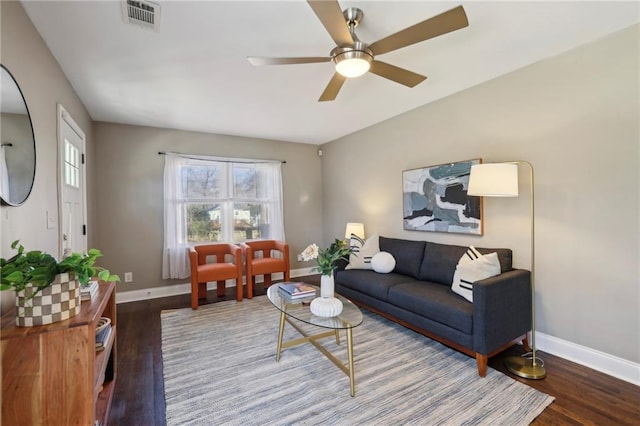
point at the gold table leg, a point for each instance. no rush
(352, 380)
(280, 333)
(313, 339)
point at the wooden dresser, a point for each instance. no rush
(52, 374)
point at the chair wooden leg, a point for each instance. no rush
(287, 275)
(194, 295)
(239, 290)
(249, 287)
(221, 288)
(267, 281)
(202, 290)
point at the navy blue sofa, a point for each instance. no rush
(418, 295)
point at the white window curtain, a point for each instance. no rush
(4, 175)
(273, 184)
(175, 262)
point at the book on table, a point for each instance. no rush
(87, 292)
(102, 338)
(297, 290)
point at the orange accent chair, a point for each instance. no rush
(265, 264)
(203, 272)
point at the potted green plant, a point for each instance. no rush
(48, 290)
(84, 268)
(34, 268)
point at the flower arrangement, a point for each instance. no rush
(327, 258)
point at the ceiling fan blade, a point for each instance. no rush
(330, 15)
(286, 61)
(446, 22)
(399, 75)
(332, 89)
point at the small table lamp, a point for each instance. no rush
(501, 180)
(354, 228)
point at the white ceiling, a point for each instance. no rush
(193, 73)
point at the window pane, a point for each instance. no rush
(71, 165)
(249, 221)
(244, 182)
(201, 182)
(203, 223)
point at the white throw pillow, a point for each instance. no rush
(363, 252)
(383, 262)
(472, 267)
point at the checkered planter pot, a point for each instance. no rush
(59, 301)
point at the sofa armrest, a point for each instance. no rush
(501, 309)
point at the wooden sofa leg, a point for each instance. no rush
(525, 343)
(482, 361)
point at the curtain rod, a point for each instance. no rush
(222, 161)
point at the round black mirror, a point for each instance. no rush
(17, 143)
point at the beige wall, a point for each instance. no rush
(129, 184)
(575, 117)
(43, 85)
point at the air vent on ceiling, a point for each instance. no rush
(143, 13)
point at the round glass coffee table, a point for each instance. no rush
(292, 310)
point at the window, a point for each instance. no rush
(226, 201)
(71, 165)
(218, 200)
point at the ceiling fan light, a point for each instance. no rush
(353, 63)
(352, 67)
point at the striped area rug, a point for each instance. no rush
(220, 369)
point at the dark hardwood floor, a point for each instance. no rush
(583, 396)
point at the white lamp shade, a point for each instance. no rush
(354, 228)
(493, 180)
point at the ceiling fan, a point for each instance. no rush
(354, 58)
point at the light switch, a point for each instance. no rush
(52, 219)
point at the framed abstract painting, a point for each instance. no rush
(435, 199)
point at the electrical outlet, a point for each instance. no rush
(128, 277)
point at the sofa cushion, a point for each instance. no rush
(369, 282)
(435, 302)
(383, 262)
(440, 261)
(407, 253)
(473, 266)
(363, 252)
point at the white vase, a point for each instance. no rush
(326, 286)
(326, 305)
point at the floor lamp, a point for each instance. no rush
(501, 180)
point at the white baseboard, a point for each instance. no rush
(592, 358)
(609, 364)
(185, 288)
